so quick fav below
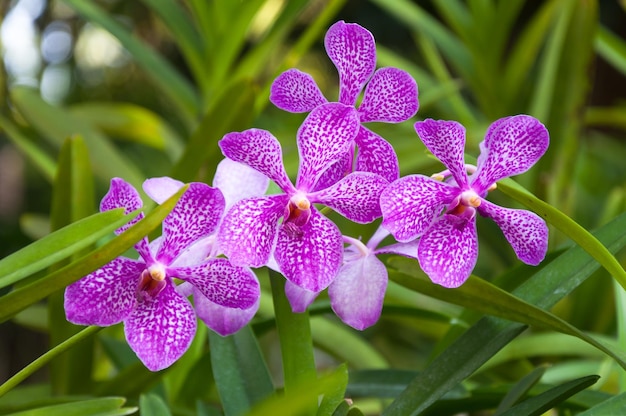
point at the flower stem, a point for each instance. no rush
(296, 343)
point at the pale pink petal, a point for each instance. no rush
(376, 155)
(353, 51)
(196, 253)
(225, 321)
(310, 255)
(238, 181)
(298, 298)
(324, 138)
(161, 189)
(408, 249)
(196, 215)
(357, 293)
(356, 197)
(121, 194)
(221, 282)
(511, 146)
(524, 230)
(296, 91)
(160, 330)
(446, 140)
(390, 96)
(106, 296)
(260, 150)
(248, 230)
(410, 205)
(448, 250)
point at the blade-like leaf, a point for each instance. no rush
(153, 405)
(611, 48)
(613, 406)
(520, 389)
(106, 406)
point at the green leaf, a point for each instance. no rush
(545, 401)
(333, 397)
(379, 383)
(107, 406)
(612, 48)
(153, 405)
(613, 406)
(520, 389)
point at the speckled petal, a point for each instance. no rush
(225, 321)
(160, 189)
(390, 96)
(357, 293)
(106, 296)
(336, 171)
(448, 250)
(446, 140)
(511, 146)
(248, 230)
(408, 249)
(238, 181)
(260, 150)
(353, 51)
(310, 256)
(356, 197)
(161, 330)
(524, 230)
(296, 91)
(195, 215)
(324, 138)
(376, 155)
(121, 194)
(410, 204)
(221, 282)
(298, 298)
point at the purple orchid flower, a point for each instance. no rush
(390, 96)
(307, 246)
(357, 293)
(443, 213)
(159, 322)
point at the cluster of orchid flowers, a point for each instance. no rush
(215, 234)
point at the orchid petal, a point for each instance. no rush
(376, 155)
(225, 321)
(310, 255)
(323, 139)
(298, 298)
(161, 189)
(121, 194)
(446, 140)
(408, 249)
(356, 197)
(221, 282)
(296, 91)
(196, 253)
(248, 230)
(410, 205)
(238, 181)
(524, 230)
(160, 330)
(260, 150)
(390, 96)
(353, 51)
(357, 293)
(196, 215)
(448, 250)
(106, 296)
(336, 171)
(512, 145)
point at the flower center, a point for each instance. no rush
(298, 210)
(464, 206)
(151, 282)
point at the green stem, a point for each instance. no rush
(296, 343)
(45, 358)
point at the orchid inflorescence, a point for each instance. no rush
(215, 234)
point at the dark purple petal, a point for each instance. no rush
(238, 181)
(324, 138)
(225, 321)
(511, 146)
(410, 205)
(106, 296)
(122, 195)
(357, 293)
(296, 91)
(356, 197)
(353, 51)
(376, 155)
(298, 298)
(195, 215)
(448, 250)
(524, 230)
(248, 230)
(260, 150)
(160, 189)
(390, 96)
(221, 282)
(310, 255)
(446, 140)
(161, 330)
(336, 171)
